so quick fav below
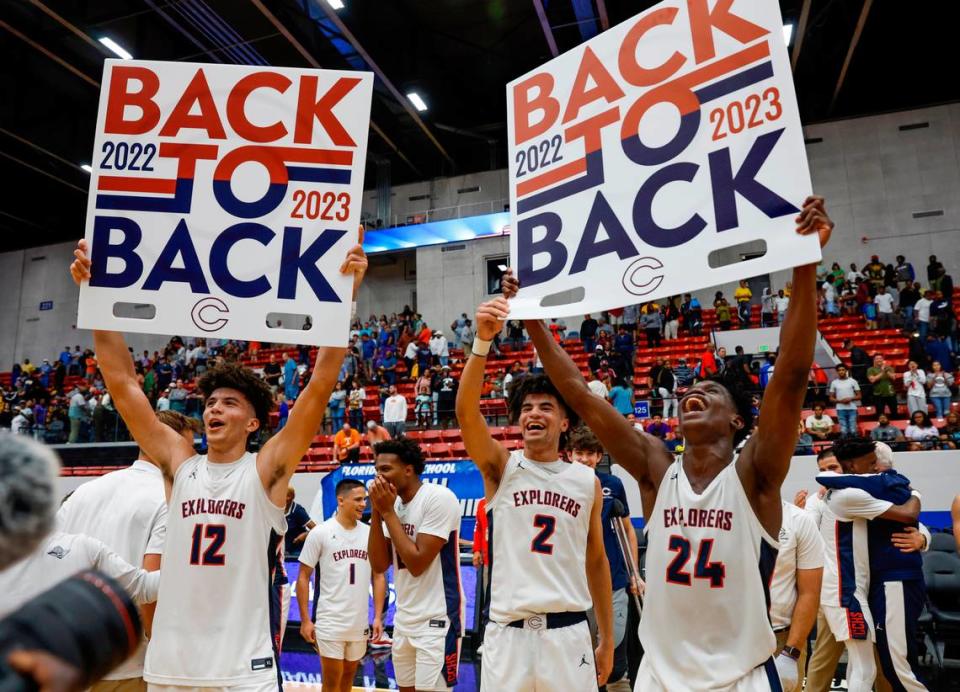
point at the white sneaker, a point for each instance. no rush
(384, 642)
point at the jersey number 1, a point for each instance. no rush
(716, 572)
(217, 533)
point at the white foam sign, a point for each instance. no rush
(223, 193)
(636, 155)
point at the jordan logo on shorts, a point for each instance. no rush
(583, 661)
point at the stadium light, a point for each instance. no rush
(787, 33)
(86, 167)
(115, 48)
(335, 4)
(417, 101)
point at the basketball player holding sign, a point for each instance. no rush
(214, 626)
(337, 549)
(713, 517)
(547, 560)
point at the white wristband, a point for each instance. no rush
(481, 347)
(917, 495)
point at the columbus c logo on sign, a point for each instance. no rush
(206, 314)
(634, 278)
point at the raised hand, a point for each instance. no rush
(80, 267)
(814, 219)
(355, 263)
(383, 496)
(800, 499)
(509, 284)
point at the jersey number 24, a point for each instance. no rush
(677, 572)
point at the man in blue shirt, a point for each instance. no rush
(584, 448)
(897, 592)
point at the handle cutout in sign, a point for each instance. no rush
(135, 311)
(285, 320)
(736, 254)
(570, 297)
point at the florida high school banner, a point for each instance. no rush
(223, 193)
(638, 154)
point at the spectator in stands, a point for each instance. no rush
(336, 405)
(854, 276)
(271, 373)
(588, 333)
(283, 411)
(884, 305)
(446, 398)
(291, 378)
(623, 345)
(908, 301)
(782, 303)
(439, 348)
(939, 382)
(882, 377)
(22, 423)
(658, 427)
(938, 349)
(922, 313)
(395, 413)
(933, 269)
(845, 393)
(515, 334)
(163, 402)
(410, 354)
(766, 370)
(466, 339)
(631, 317)
(945, 284)
(355, 400)
(920, 433)
(743, 295)
(424, 357)
(621, 396)
(869, 310)
(388, 361)
(596, 386)
(671, 319)
(768, 307)
(346, 445)
(804, 444)
(914, 382)
(950, 432)
(423, 406)
(594, 361)
(819, 424)
(368, 349)
(942, 318)
(178, 397)
(875, 272)
(682, 374)
(722, 308)
(632, 419)
(830, 308)
(904, 269)
(651, 323)
(558, 329)
(59, 376)
(376, 433)
(886, 433)
(695, 317)
(78, 412)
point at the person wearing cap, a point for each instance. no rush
(683, 373)
(163, 403)
(439, 347)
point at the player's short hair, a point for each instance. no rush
(406, 450)
(178, 422)
(346, 485)
(234, 376)
(536, 384)
(582, 439)
(853, 447)
(742, 401)
(825, 452)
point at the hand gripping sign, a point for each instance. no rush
(223, 193)
(638, 154)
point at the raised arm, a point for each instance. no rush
(765, 460)
(164, 446)
(280, 456)
(378, 548)
(642, 455)
(488, 454)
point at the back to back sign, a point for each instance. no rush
(223, 193)
(641, 152)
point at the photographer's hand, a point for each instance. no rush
(50, 673)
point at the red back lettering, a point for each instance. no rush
(630, 68)
(121, 96)
(524, 104)
(308, 108)
(604, 86)
(197, 92)
(704, 20)
(236, 115)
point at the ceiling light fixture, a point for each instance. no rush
(417, 101)
(787, 33)
(115, 48)
(86, 167)
(335, 4)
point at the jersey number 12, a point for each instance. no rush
(217, 533)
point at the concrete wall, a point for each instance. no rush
(442, 197)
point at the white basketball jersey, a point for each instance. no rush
(429, 603)
(343, 574)
(705, 623)
(538, 522)
(213, 623)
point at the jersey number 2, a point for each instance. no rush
(217, 533)
(541, 542)
(716, 572)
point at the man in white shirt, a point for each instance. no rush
(414, 527)
(395, 413)
(884, 303)
(819, 424)
(782, 302)
(440, 348)
(845, 393)
(337, 549)
(795, 589)
(921, 310)
(127, 511)
(596, 386)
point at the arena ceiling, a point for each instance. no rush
(851, 57)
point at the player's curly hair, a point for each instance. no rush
(536, 384)
(406, 450)
(234, 376)
(742, 401)
(582, 438)
(847, 448)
